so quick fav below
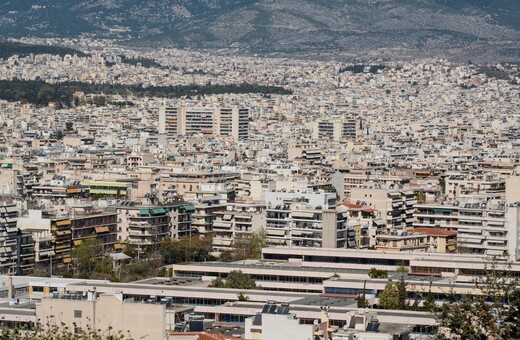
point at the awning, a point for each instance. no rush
(144, 212)
(159, 211)
(186, 208)
(103, 229)
(67, 260)
(451, 248)
(77, 242)
(221, 224)
(74, 190)
(379, 222)
(442, 210)
(227, 217)
(119, 256)
(275, 232)
(302, 214)
(62, 223)
(118, 246)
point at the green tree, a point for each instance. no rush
(235, 279)
(87, 254)
(429, 304)
(401, 290)
(192, 249)
(362, 302)
(442, 185)
(217, 283)
(375, 273)
(242, 297)
(420, 197)
(258, 242)
(494, 313)
(249, 246)
(100, 101)
(226, 256)
(389, 298)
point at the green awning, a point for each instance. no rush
(144, 212)
(159, 211)
(186, 208)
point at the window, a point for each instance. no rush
(77, 314)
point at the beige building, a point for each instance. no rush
(208, 121)
(105, 312)
(430, 240)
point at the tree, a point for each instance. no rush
(235, 279)
(258, 242)
(401, 291)
(217, 283)
(375, 273)
(429, 304)
(87, 253)
(442, 185)
(362, 302)
(420, 197)
(389, 298)
(100, 101)
(242, 297)
(492, 313)
(193, 249)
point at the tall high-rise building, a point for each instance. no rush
(338, 128)
(208, 121)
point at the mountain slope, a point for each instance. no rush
(487, 26)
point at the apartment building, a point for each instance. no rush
(344, 180)
(429, 240)
(484, 225)
(476, 182)
(238, 219)
(338, 128)
(9, 249)
(119, 190)
(143, 226)
(396, 206)
(307, 219)
(209, 121)
(90, 222)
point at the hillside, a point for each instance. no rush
(479, 28)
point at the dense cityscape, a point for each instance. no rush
(193, 194)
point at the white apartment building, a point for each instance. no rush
(208, 121)
(473, 183)
(307, 219)
(344, 180)
(485, 225)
